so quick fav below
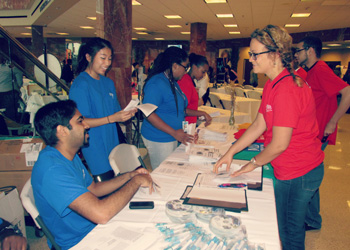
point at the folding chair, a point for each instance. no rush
(215, 101)
(240, 92)
(28, 203)
(125, 158)
(254, 94)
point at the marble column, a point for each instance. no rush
(114, 24)
(198, 41)
(37, 40)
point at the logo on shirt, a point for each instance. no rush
(111, 95)
(268, 108)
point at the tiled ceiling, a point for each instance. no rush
(248, 15)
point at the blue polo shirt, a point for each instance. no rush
(158, 92)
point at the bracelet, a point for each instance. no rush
(108, 119)
(253, 161)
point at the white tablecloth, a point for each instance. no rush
(224, 117)
(245, 105)
(135, 229)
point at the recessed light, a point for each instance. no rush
(174, 26)
(159, 38)
(134, 38)
(325, 48)
(172, 16)
(334, 44)
(215, 1)
(28, 28)
(87, 27)
(26, 34)
(139, 28)
(291, 25)
(234, 32)
(230, 25)
(91, 18)
(134, 2)
(142, 33)
(301, 14)
(224, 15)
(185, 32)
(62, 33)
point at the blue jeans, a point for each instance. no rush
(313, 217)
(292, 200)
(159, 151)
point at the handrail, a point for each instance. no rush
(30, 76)
(33, 59)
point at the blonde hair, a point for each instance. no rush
(277, 39)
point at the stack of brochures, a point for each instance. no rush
(207, 134)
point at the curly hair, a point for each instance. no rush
(277, 39)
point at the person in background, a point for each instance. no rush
(230, 75)
(297, 68)
(68, 200)
(290, 129)
(198, 69)
(253, 79)
(346, 77)
(162, 130)
(135, 75)
(67, 72)
(325, 86)
(11, 80)
(11, 237)
(96, 98)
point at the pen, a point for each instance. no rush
(232, 185)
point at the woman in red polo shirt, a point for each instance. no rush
(288, 115)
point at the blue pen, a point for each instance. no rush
(232, 185)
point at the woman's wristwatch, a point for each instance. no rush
(253, 161)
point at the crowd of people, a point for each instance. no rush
(298, 114)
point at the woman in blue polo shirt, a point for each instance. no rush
(162, 130)
(97, 101)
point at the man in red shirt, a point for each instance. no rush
(325, 86)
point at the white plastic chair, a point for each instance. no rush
(254, 94)
(125, 158)
(240, 92)
(28, 203)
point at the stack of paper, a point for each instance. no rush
(211, 135)
(201, 154)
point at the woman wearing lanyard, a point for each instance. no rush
(288, 115)
(162, 130)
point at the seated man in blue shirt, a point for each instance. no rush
(68, 200)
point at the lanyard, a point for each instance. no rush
(178, 90)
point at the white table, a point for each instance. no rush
(135, 229)
(225, 114)
(245, 105)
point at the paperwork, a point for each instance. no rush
(146, 108)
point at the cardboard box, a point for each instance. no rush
(19, 154)
(11, 209)
(15, 178)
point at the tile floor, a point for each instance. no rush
(335, 199)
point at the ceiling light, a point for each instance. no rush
(134, 2)
(174, 26)
(87, 27)
(159, 38)
(291, 25)
(230, 25)
(325, 48)
(301, 14)
(134, 38)
(28, 28)
(172, 16)
(142, 33)
(91, 18)
(215, 1)
(62, 33)
(333, 44)
(26, 34)
(185, 32)
(224, 15)
(234, 32)
(139, 28)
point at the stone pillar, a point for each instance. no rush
(37, 40)
(114, 24)
(198, 41)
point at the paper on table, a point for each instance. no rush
(146, 108)
(180, 169)
(209, 193)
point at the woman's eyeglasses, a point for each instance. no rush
(254, 55)
(185, 67)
